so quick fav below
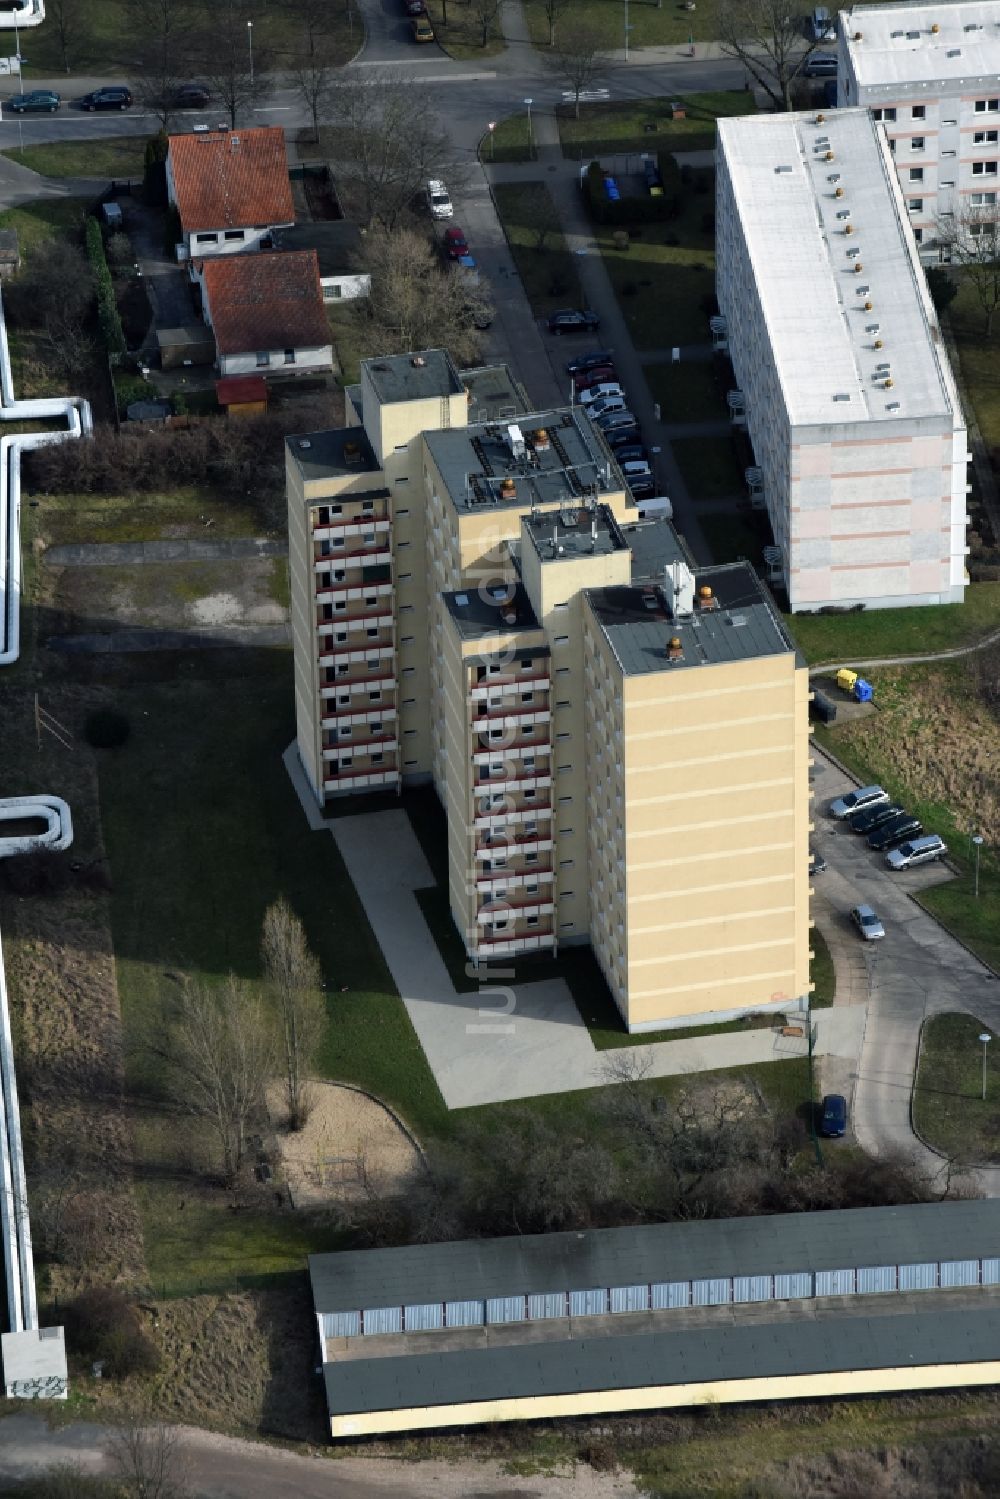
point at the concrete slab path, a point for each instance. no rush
(514, 1041)
(135, 553)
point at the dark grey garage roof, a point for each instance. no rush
(534, 1264)
(667, 1358)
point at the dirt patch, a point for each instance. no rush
(349, 1142)
(167, 595)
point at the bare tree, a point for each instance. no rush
(766, 37)
(553, 10)
(487, 17)
(577, 61)
(387, 142)
(220, 1055)
(313, 75)
(147, 1459)
(414, 302)
(971, 240)
(232, 60)
(161, 39)
(293, 977)
(52, 296)
(70, 20)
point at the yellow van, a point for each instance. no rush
(423, 31)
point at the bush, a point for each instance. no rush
(44, 871)
(106, 729)
(119, 250)
(942, 287)
(107, 307)
(102, 1324)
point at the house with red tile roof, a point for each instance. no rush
(230, 189)
(266, 312)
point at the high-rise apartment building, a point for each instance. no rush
(619, 740)
(850, 403)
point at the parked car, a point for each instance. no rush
(587, 379)
(573, 320)
(821, 25)
(631, 452)
(602, 388)
(867, 923)
(112, 96)
(191, 96)
(423, 31)
(455, 243)
(414, 7)
(605, 407)
(856, 801)
(817, 864)
(623, 436)
(897, 831)
(651, 171)
(916, 851)
(617, 421)
(821, 65)
(592, 361)
(833, 1116)
(870, 818)
(37, 99)
(438, 200)
(639, 478)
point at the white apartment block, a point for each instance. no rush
(851, 406)
(931, 75)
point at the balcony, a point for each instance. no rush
(369, 780)
(360, 658)
(356, 593)
(519, 751)
(498, 819)
(499, 883)
(345, 719)
(521, 909)
(362, 526)
(511, 720)
(350, 747)
(356, 622)
(507, 685)
(528, 942)
(528, 781)
(358, 685)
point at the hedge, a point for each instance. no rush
(107, 307)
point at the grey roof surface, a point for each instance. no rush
(742, 628)
(475, 460)
(326, 454)
(572, 532)
(335, 241)
(654, 544)
(475, 615)
(761, 1350)
(537, 1263)
(494, 394)
(395, 377)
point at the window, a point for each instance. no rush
(213, 239)
(917, 142)
(915, 205)
(987, 106)
(373, 697)
(978, 231)
(376, 759)
(526, 697)
(232, 235)
(323, 515)
(532, 921)
(884, 114)
(916, 174)
(289, 356)
(918, 235)
(985, 137)
(263, 359)
(984, 169)
(531, 857)
(562, 640)
(983, 200)
(919, 111)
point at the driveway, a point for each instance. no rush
(918, 970)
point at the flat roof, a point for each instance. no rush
(336, 450)
(639, 625)
(564, 461)
(803, 261)
(898, 46)
(654, 545)
(493, 611)
(574, 531)
(494, 394)
(425, 376)
(471, 1269)
(572, 1365)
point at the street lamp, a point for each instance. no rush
(977, 843)
(250, 42)
(654, 453)
(985, 1038)
(531, 144)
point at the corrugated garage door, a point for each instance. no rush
(588, 1303)
(834, 1282)
(551, 1305)
(424, 1317)
(629, 1298)
(506, 1309)
(380, 1319)
(341, 1324)
(791, 1287)
(668, 1294)
(924, 1277)
(991, 1272)
(464, 1314)
(751, 1288)
(874, 1278)
(960, 1273)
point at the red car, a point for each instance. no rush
(599, 376)
(455, 243)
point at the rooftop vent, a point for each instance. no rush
(872, 327)
(842, 395)
(858, 267)
(854, 250)
(877, 344)
(234, 141)
(843, 213)
(935, 28)
(820, 119)
(892, 405)
(675, 651)
(848, 228)
(352, 452)
(858, 36)
(508, 489)
(954, 51)
(304, 442)
(736, 620)
(462, 600)
(418, 361)
(913, 36)
(706, 598)
(781, 171)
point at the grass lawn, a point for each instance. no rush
(821, 971)
(664, 278)
(686, 392)
(652, 25)
(733, 536)
(949, 1111)
(648, 124)
(146, 517)
(37, 222)
(110, 156)
(709, 467)
(509, 141)
(897, 632)
(462, 37)
(549, 274)
(979, 358)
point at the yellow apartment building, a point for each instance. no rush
(618, 739)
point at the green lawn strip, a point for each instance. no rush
(461, 38)
(821, 971)
(48, 218)
(732, 537)
(509, 141)
(687, 392)
(979, 359)
(549, 274)
(111, 156)
(949, 1112)
(664, 277)
(709, 467)
(652, 25)
(64, 519)
(898, 632)
(648, 124)
(975, 921)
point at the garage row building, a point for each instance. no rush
(619, 739)
(849, 400)
(631, 1319)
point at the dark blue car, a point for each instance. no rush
(833, 1118)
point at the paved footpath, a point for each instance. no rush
(525, 1040)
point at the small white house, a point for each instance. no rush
(230, 189)
(266, 312)
(336, 242)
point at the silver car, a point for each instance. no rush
(916, 851)
(856, 801)
(867, 923)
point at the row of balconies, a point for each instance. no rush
(514, 817)
(347, 720)
(499, 689)
(520, 942)
(362, 780)
(348, 748)
(362, 525)
(386, 684)
(488, 721)
(490, 885)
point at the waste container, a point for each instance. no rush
(846, 679)
(822, 707)
(863, 691)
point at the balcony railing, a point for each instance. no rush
(356, 622)
(336, 658)
(511, 720)
(505, 685)
(354, 592)
(361, 780)
(345, 719)
(529, 942)
(489, 885)
(379, 524)
(518, 751)
(511, 783)
(350, 684)
(350, 747)
(536, 907)
(525, 843)
(498, 819)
